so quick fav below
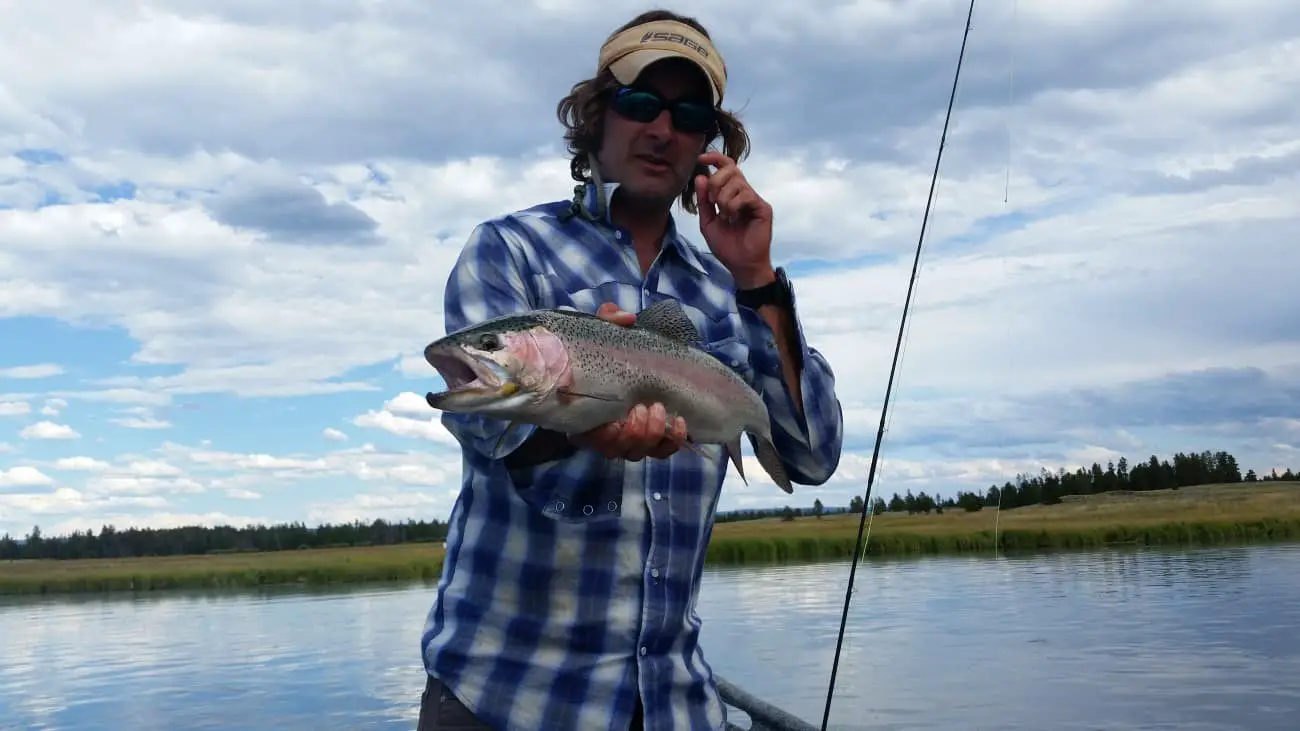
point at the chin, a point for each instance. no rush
(653, 190)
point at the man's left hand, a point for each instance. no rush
(735, 221)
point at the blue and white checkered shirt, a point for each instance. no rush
(569, 587)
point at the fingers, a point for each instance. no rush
(735, 198)
(601, 439)
(716, 159)
(611, 312)
(703, 203)
(726, 193)
(671, 442)
(641, 432)
(646, 432)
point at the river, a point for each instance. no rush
(1192, 640)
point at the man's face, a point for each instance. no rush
(653, 161)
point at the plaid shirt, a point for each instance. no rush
(569, 587)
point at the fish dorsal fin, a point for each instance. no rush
(667, 318)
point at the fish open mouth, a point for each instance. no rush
(465, 374)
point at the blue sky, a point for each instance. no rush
(225, 231)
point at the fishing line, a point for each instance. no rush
(1006, 195)
(893, 368)
(1011, 93)
(907, 338)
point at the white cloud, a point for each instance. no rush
(413, 366)
(15, 408)
(365, 463)
(39, 370)
(114, 395)
(334, 435)
(66, 500)
(393, 506)
(81, 464)
(392, 420)
(127, 520)
(48, 430)
(409, 402)
(136, 422)
(53, 407)
(23, 476)
(154, 490)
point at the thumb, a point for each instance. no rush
(705, 206)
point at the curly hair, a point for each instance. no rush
(583, 109)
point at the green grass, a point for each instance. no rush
(406, 562)
(1194, 516)
(1206, 515)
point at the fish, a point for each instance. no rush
(570, 372)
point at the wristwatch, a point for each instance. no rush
(776, 292)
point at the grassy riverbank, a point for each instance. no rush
(1204, 515)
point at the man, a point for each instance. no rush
(567, 600)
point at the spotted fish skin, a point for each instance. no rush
(572, 372)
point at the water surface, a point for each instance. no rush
(1136, 640)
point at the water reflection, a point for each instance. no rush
(1193, 640)
(1114, 640)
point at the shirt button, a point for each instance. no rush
(659, 496)
(642, 650)
(654, 573)
(618, 234)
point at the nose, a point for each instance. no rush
(661, 126)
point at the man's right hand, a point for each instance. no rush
(645, 432)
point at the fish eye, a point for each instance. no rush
(489, 341)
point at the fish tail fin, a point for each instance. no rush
(733, 451)
(767, 455)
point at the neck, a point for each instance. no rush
(639, 217)
(647, 221)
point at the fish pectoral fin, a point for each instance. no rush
(510, 427)
(667, 318)
(733, 451)
(694, 447)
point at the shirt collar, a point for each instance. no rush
(683, 247)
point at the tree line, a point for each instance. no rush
(1048, 488)
(110, 542)
(1184, 470)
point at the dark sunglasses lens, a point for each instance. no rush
(638, 105)
(690, 117)
(643, 106)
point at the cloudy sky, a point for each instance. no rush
(225, 228)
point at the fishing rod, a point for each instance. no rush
(893, 368)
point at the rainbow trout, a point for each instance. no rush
(571, 372)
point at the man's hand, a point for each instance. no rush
(735, 221)
(645, 432)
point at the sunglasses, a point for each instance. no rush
(641, 105)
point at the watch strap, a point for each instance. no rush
(775, 292)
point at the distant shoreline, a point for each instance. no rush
(1206, 515)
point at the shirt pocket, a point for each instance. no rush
(581, 488)
(585, 299)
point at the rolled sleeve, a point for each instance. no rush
(485, 282)
(809, 444)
